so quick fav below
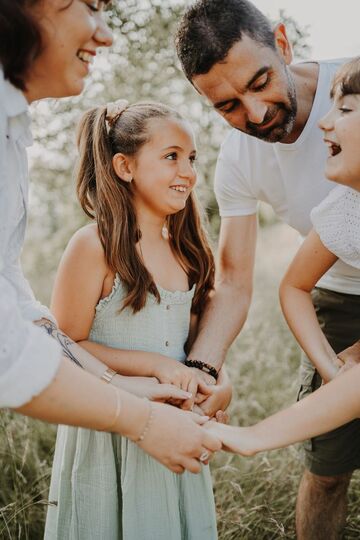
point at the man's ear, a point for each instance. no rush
(122, 167)
(282, 43)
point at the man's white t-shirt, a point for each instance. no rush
(290, 177)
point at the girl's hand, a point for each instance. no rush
(170, 371)
(238, 440)
(150, 388)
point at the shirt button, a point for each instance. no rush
(168, 307)
(166, 343)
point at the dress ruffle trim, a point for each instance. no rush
(170, 297)
(105, 301)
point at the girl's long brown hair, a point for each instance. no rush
(109, 200)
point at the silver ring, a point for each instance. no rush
(204, 456)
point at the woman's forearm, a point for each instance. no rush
(71, 350)
(77, 398)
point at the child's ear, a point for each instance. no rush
(122, 167)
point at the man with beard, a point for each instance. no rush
(233, 57)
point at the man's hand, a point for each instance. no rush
(220, 396)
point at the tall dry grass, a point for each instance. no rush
(255, 497)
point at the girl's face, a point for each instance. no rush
(163, 170)
(72, 31)
(341, 127)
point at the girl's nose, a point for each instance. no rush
(326, 122)
(187, 170)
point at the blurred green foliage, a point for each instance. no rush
(142, 64)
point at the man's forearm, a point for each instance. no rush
(72, 350)
(220, 323)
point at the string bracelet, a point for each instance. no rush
(206, 368)
(148, 423)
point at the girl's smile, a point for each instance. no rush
(341, 127)
(163, 171)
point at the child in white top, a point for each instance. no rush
(335, 235)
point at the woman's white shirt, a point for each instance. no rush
(29, 358)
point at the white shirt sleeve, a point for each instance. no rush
(30, 308)
(233, 193)
(29, 359)
(337, 222)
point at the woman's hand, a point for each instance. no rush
(150, 388)
(177, 439)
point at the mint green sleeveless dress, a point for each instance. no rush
(103, 486)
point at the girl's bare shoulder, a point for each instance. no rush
(86, 242)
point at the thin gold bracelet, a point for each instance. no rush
(148, 423)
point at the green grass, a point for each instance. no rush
(255, 497)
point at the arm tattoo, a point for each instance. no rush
(61, 338)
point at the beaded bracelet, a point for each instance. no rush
(147, 425)
(207, 368)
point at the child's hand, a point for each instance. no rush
(222, 417)
(150, 388)
(170, 371)
(237, 440)
(219, 398)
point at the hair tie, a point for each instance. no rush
(114, 110)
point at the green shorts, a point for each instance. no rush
(338, 451)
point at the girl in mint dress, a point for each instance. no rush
(129, 289)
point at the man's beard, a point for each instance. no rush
(279, 130)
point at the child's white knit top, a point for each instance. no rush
(337, 221)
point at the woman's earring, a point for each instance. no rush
(165, 232)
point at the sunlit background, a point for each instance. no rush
(255, 498)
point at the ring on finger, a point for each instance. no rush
(204, 456)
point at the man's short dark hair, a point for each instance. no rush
(20, 39)
(209, 28)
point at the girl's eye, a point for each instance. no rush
(171, 156)
(344, 110)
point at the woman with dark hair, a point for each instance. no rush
(45, 51)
